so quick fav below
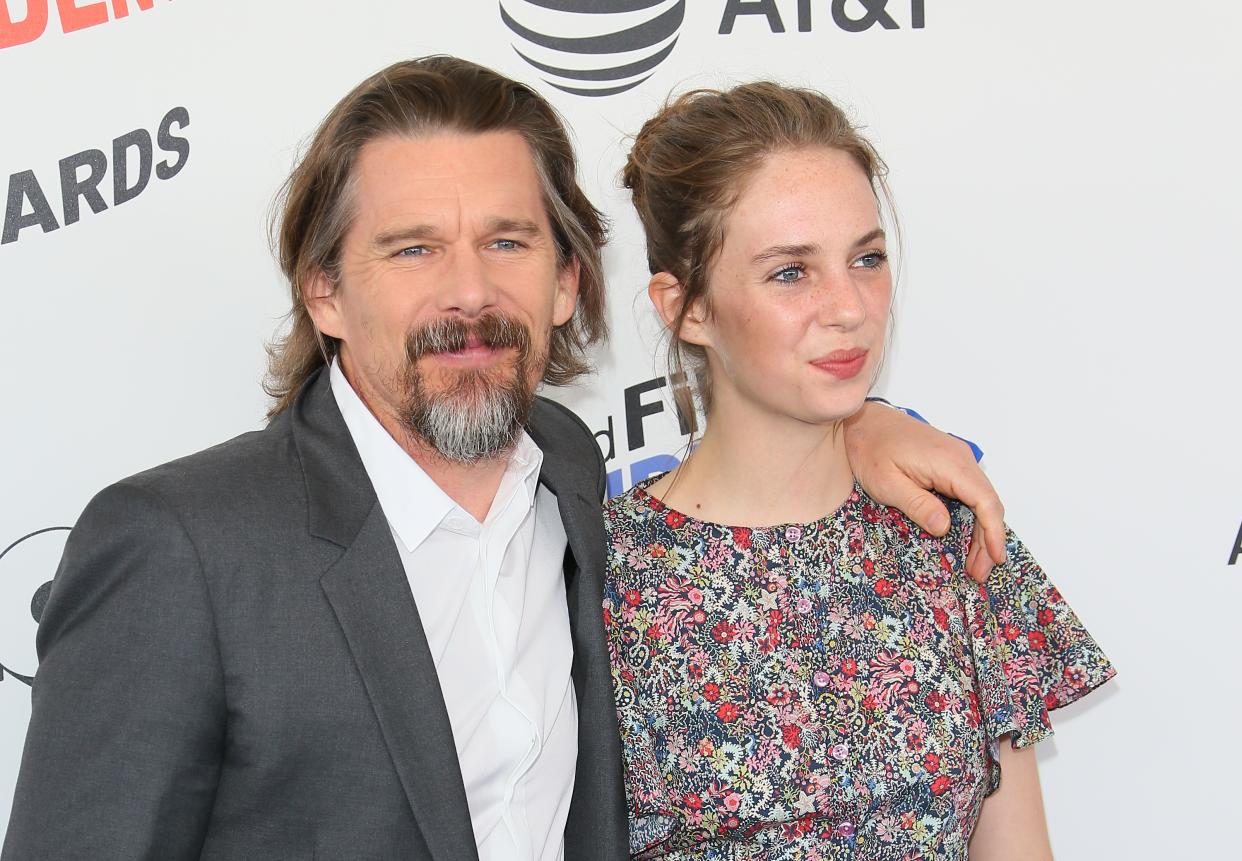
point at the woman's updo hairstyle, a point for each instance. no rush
(686, 170)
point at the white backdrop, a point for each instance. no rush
(1067, 176)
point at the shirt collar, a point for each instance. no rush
(412, 502)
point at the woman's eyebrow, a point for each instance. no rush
(804, 249)
(808, 249)
(878, 233)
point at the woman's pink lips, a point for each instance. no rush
(843, 364)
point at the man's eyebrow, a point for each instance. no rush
(403, 235)
(420, 232)
(521, 226)
(805, 249)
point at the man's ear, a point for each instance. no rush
(668, 296)
(320, 296)
(568, 277)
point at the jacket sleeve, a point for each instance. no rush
(126, 735)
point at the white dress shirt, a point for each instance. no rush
(491, 597)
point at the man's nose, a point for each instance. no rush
(469, 287)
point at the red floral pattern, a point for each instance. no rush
(826, 690)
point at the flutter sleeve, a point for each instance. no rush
(1031, 651)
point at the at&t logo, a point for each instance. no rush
(852, 16)
(594, 47)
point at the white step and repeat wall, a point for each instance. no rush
(1067, 174)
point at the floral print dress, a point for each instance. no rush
(829, 690)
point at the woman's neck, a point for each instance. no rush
(754, 468)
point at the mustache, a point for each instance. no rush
(453, 334)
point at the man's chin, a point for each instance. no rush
(468, 383)
(467, 427)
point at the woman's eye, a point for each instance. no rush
(872, 260)
(788, 274)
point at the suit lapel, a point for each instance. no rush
(370, 595)
(570, 482)
(369, 592)
(597, 825)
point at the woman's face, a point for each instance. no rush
(799, 294)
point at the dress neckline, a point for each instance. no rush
(639, 491)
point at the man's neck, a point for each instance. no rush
(473, 486)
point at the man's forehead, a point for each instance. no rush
(490, 175)
(503, 158)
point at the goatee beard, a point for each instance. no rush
(479, 412)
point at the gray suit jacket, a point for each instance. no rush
(233, 666)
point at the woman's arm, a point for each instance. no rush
(1012, 826)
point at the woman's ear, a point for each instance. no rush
(668, 296)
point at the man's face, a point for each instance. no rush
(449, 289)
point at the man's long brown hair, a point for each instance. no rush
(413, 98)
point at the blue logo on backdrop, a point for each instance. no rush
(26, 569)
(594, 47)
(643, 401)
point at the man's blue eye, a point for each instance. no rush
(506, 244)
(788, 275)
(414, 251)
